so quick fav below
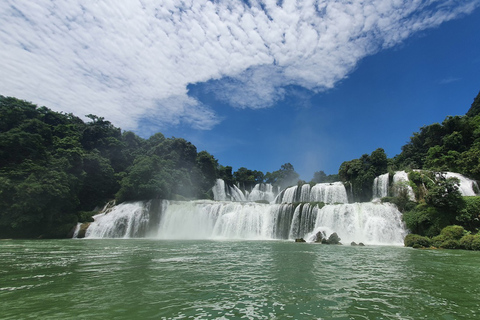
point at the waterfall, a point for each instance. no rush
(224, 192)
(380, 186)
(76, 231)
(321, 192)
(292, 214)
(329, 193)
(288, 195)
(400, 178)
(467, 186)
(215, 220)
(205, 219)
(126, 220)
(262, 191)
(370, 223)
(303, 221)
(219, 191)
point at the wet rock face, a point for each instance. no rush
(319, 237)
(333, 239)
(300, 240)
(83, 230)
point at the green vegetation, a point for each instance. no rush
(453, 145)
(360, 173)
(56, 169)
(284, 177)
(451, 237)
(322, 177)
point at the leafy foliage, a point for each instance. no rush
(322, 177)
(54, 167)
(284, 177)
(453, 145)
(441, 205)
(415, 240)
(362, 172)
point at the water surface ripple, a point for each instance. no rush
(151, 279)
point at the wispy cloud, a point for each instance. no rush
(127, 59)
(449, 80)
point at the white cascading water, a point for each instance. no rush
(370, 223)
(401, 177)
(287, 196)
(305, 193)
(205, 219)
(219, 192)
(215, 220)
(329, 193)
(380, 186)
(262, 191)
(321, 192)
(224, 192)
(303, 221)
(126, 220)
(467, 186)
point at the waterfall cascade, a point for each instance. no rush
(380, 186)
(293, 213)
(260, 192)
(370, 223)
(295, 217)
(401, 178)
(321, 192)
(467, 187)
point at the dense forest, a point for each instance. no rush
(56, 170)
(453, 145)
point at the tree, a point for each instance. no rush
(475, 108)
(319, 177)
(207, 164)
(148, 178)
(284, 177)
(362, 172)
(247, 179)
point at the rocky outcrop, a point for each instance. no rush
(83, 230)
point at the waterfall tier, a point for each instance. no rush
(321, 192)
(260, 192)
(368, 222)
(467, 187)
(380, 186)
(202, 219)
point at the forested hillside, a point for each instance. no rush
(452, 146)
(55, 169)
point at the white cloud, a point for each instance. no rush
(125, 60)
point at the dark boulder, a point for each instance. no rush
(334, 239)
(319, 237)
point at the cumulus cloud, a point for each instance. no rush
(126, 60)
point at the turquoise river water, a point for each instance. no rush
(153, 279)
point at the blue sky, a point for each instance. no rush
(313, 83)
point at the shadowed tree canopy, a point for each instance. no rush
(54, 167)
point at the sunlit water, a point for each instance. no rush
(153, 279)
